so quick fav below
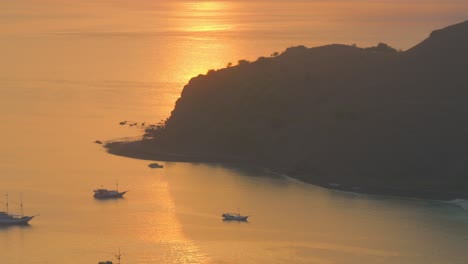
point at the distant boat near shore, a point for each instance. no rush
(155, 165)
(108, 194)
(12, 219)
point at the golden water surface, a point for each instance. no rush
(70, 71)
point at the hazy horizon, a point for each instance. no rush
(58, 39)
(316, 21)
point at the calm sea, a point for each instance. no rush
(70, 72)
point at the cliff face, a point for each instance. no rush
(366, 117)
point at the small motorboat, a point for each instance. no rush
(106, 194)
(155, 166)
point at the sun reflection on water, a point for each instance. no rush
(206, 16)
(160, 228)
(206, 53)
(207, 26)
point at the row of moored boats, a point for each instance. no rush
(101, 193)
(109, 194)
(14, 219)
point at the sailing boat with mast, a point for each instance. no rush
(11, 219)
(234, 216)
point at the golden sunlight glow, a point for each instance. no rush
(207, 55)
(201, 22)
(206, 16)
(207, 6)
(207, 28)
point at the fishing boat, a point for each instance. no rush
(102, 193)
(234, 217)
(12, 219)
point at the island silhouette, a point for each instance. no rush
(371, 120)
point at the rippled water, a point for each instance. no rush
(70, 72)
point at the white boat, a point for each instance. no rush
(155, 165)
(107, 194)
(12, 219)
(234, 217)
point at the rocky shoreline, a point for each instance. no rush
(146, 150)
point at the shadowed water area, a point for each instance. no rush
(70, 72)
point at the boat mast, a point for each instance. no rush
(118, 256)
(6, 203)
(21, 204)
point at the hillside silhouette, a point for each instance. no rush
(373, 120)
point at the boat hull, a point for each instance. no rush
(16, 221)
(234, 217)
(109, 195)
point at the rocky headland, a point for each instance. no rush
(372, 120)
